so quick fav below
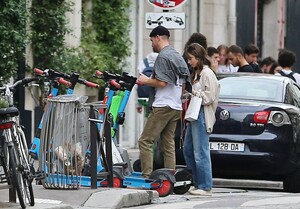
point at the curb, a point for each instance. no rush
(120, 198)
(9, 205)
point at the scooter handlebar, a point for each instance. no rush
(99, 73)
(38, 71)
(64, 82)
(91, 84)
(114, 83)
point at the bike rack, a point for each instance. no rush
(107, 155)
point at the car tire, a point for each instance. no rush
(292, 182)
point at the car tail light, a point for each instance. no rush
(279, 118)
(261, 116)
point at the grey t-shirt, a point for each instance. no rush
(171, 68)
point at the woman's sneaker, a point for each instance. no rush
(192, 188)
(201, 192)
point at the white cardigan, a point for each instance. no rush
(208, 88)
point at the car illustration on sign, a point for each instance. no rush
(159, 21)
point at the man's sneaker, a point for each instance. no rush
(201, 192)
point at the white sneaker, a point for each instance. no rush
(201, 192)
(192, 188)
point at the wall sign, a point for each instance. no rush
(169, 20)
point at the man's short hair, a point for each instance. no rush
(235, 49)
(211, 50)
(286, 58)
(251, 49)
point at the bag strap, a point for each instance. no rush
(182, 127)
(146, 62)
(290, 75)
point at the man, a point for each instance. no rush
(286, 59)
(236, 57)
(251, 53)
(170, 76)
(213, 53)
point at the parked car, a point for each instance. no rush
(257, 132)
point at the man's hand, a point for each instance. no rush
(142, 79)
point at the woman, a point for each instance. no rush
(224, 66)
(196, 144)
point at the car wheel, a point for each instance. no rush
(292, 182)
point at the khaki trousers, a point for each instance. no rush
(160, 123)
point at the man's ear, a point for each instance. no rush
(239, 55)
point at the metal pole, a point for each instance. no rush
(93, 130)
(12, 194)
(108, 148)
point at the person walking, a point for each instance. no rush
(170, 77)
(196, 143)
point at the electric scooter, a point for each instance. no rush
(161, 180)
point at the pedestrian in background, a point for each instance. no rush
(169, 79)
(224, 65)
(236, 57)
(251, 54)
(195, 38)
(266, 63)
(214, 56)
(196, 143)
(149, 60)
(286, 59)
(275, 68)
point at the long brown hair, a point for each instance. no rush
(199, 53)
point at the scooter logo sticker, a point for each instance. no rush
(167, 4)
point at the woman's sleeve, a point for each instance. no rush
(209, 94)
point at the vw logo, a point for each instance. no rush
(224, 115)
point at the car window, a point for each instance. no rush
(251, 88)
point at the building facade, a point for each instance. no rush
(270, 24)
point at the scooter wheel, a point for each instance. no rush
(182, 175)
(117, 182)
(165, 189)
(137, 166)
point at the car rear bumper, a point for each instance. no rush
(267, 156)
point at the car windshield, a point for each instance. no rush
(251, 88)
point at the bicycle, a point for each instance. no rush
(13, 147)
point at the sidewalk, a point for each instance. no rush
(114, 198)
(84, 198)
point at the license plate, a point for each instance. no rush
(226, 146)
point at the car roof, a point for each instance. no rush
(260, 75)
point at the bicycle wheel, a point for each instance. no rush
(25, 167)
(17, 179)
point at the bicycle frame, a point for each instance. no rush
(14, 150)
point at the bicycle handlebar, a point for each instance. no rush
(23, 81)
